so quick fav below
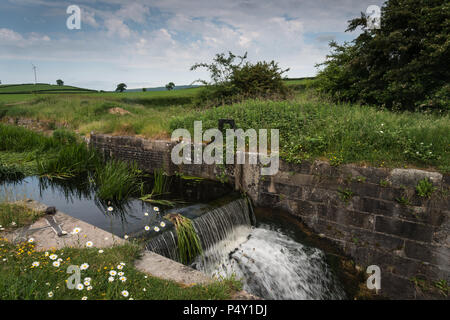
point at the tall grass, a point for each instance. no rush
(18, 139)
(70, 161)
(188, 241)
(311, 127)
(118, 180)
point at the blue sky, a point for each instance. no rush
(150, 43)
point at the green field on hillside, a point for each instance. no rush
(310, 125)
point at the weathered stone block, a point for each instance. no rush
(405, 229)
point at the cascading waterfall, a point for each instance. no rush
(270, 264)
(211, 227)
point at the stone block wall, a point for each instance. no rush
(373, 214)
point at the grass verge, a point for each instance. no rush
(31, 275)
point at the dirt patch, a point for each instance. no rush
(118, 111)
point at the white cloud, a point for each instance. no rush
(9, 35)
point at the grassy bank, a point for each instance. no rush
(311, 127)
(31, 275)
(14, 216)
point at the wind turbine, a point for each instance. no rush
(34, 69)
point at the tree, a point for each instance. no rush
(170, 86)
(233, 78)
(144, 89)
(59, 82)
(121, 87)
(399, 66)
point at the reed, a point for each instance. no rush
(188, 241)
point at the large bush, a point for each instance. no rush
(402, 65)
(233, 79)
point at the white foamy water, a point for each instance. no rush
(271, 265)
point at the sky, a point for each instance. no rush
(148, 43)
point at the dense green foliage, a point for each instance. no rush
(234, 79)
(402, 65)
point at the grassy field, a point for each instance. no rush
(310, 125)
(39, 87)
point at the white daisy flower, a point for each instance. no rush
(125, 293)
(13, 223)
(56, 263)
(113, 273)
(131, 299)
(87, 283)
(35, 264)
(144, 289)
(120, 267)
(146, 214)
(111, 279)
(120, 274)
(125, 237)
(110, 209)
(59, 259)
(84, 298)
(89, 244)
(50, 294)
(76, 230)
(84, 266)
(156, 229)
(31, 240)
(147, 228)
(100, 251)
(80, 286)
(89, 288)
(53, 257)
(123, 279)
(162, 224)
(156, 209)
(122, 264)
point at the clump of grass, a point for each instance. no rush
(70, 161)
(14, 215)
(11, 172)
(161, 182)
(118, 180)
(18, 139)
(188, 241)
(425, 188)
(345, 194)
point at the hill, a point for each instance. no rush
(40, 88)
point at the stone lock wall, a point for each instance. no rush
(357, 208)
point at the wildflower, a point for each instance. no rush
(125, 237)
(125, 293)
(156, 209)
(162, 224)
(131, 299)
(84, 298)
(13, 223)
(111, 279)
(156, 229)
(84, 266)
(53, 257)
(56, 263)
(147, 228)
(122, 263)
(59, 259)
(50, 294)
(87, 279)
(80, 286)
(100, 251)
(89, 244)
(113, 273)
(76, 230)
(120, 273)
(46, 253)
(120, 267)
(144, 289)
(123, 279)
(110, 209)
(89, 288)
(146, 214)
(31, 240)
(86, 283)
(35, 264)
